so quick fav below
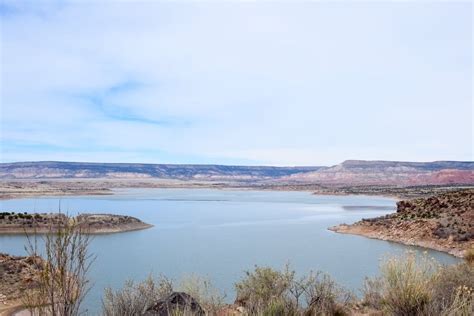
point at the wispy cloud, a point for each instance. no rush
(270, 83)
(105, 103)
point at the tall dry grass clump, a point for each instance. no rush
(469, 256)
(453, 291)
(462, 303)
(418, 286)
(62, 282)
(407, 285)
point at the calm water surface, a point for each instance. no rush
(221, 233)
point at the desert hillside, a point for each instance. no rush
(443, 222)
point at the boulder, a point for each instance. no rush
(175, 302)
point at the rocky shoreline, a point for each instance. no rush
(42, 223)
(374, 233)
(444, 222)
(17, 274)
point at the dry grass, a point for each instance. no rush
(469, 256)
(409, 286)
(135, 298)
(453, 286)
(406, 287)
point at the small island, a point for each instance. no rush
(444, 222)
(43, 223)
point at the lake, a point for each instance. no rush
(221, 233)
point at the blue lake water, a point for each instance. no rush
(221, 233)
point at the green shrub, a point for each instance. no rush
(262, 287)
(325, 297)
(266, 291)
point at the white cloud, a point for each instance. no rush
(307, 83)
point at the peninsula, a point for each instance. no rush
(42, 223)
(444, 222)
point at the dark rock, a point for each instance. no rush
(175, 302)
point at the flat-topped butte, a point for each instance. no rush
(43, 223)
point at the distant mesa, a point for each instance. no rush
(58, 170)
(350, 172)
(359, 172)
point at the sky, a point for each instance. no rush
(252, 83)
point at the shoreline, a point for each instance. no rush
(43, 231)
(111, 192)
(359, 231)
(52, 194)
(24, 188)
